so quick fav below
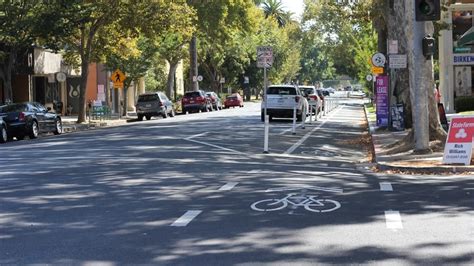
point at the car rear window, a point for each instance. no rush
(192, 94)
(13, 108)
(282, 90)
(308, 91)
(148, 98)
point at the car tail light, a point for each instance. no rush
(161, 104)
(313, 97)
(185, 99)
(21, 116)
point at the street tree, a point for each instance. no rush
(19, 31)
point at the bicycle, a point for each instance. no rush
(310, 203)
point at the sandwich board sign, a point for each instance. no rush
(458, 148)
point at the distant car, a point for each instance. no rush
(196, 101)
(310, 93)
(215, 100)
(30, 119)
(234, 100)
(154, 104)
(357, 94)
(3, 131)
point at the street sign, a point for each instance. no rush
(369, 77)
(118, 78)
(393, 47)
(199, 78)
(264, 56)
(377, 70)
(378, 60)
(222, 80)
(458, 148)
(61, 76)
(397, 61)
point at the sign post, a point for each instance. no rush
(381, 100)
(118, 78)
(265, 60)
(458, 148)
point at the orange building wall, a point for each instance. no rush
(91, 90)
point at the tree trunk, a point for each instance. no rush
(82, 92)
(171, 75)
(6, 74)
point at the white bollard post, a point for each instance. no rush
(293, 131)
(265, 139)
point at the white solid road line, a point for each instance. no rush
(228, 186)
(215, 146)
(305, 137)
(195, 136)
(186, 218)
(393, 220)
(386, 186)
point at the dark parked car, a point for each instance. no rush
(196, 101)
(30, 119)
(154, 104)
(3, 131)
(215, 100)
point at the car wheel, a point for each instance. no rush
(34, 130)
(59, 127)
(172, 113)
(165, 114)
(148, 117)
(140, 118)
(3, 135)
(184, 111)
(262, 117)
(299, 117)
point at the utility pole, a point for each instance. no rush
(193, 71)
(420, 78)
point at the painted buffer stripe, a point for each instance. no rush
(393, 220)
(186, 218)
(228, 186)
(386, 186)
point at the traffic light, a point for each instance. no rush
(427, 10)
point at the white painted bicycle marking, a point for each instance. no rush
(186, 218)
(310, 203)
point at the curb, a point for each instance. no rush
(425, 169)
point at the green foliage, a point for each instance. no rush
(464, 103)
(338, 39)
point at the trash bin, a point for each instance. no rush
(58, 107)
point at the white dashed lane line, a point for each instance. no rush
(393, 220)
(386, 186)
(228, 186)
(186, 218)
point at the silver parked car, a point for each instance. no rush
(154, 104)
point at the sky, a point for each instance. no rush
(295, 6)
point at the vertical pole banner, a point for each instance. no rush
(382, 97)
(458, 148)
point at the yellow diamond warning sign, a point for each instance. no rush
(117, 78)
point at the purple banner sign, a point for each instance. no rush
(382, 103)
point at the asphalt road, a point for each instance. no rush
(197, 190)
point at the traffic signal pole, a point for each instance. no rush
(420, 78)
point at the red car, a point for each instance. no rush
(234, 100)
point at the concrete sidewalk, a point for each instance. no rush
(70, 122)
(407, 161)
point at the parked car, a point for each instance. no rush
(3, 131)
(30, 119)
(310, 93)
(321, 96)
(357, 94)
(281, 100)
(154, 104)
(215, 100)
(234, 100)
(195, 101)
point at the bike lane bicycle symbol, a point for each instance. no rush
(309, 202)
